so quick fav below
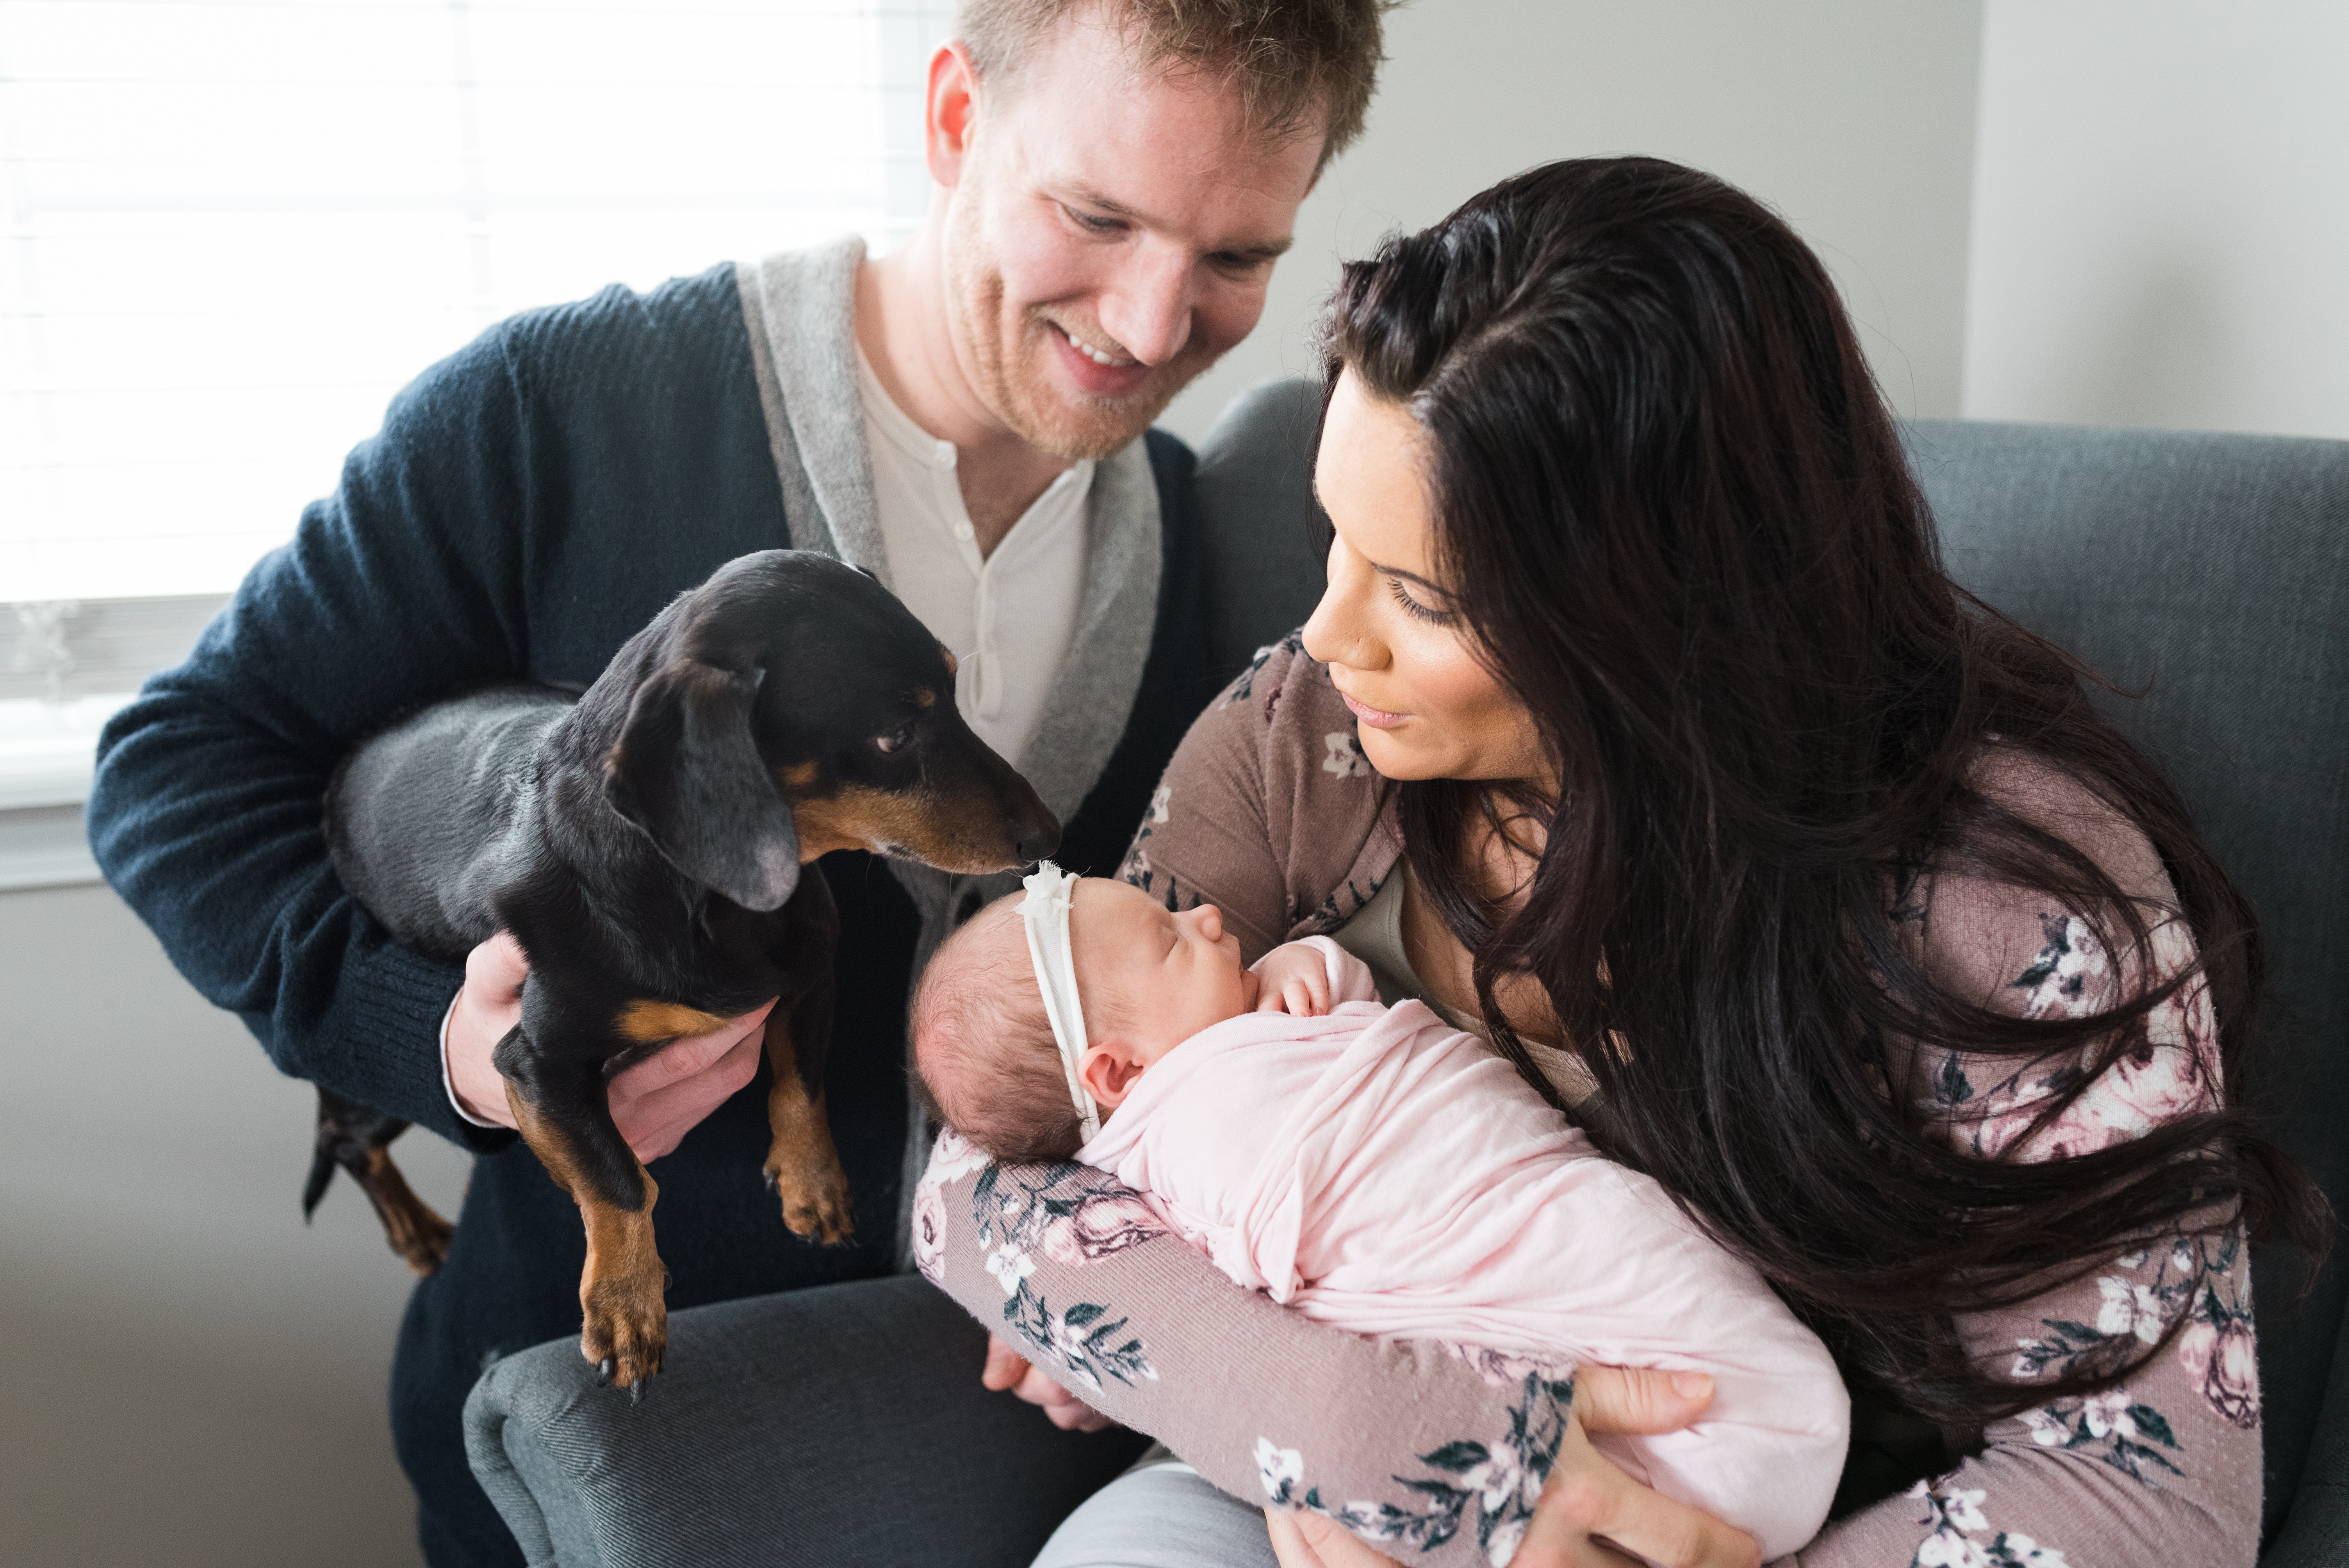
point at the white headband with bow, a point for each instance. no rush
(1045, 913)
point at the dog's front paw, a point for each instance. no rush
(625, 1331)
(813, 1190)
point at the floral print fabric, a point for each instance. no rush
(2168, 1066)
(1067, 1213)
(1484, 1490)
(1045, 1256)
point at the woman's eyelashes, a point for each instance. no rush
(1416, 609)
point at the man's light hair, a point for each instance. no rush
(1299, 64)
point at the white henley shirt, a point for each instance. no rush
(1009, 617)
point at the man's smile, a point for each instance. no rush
(1097, 372)
(1098, 355)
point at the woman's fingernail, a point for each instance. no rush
(1690, 1385)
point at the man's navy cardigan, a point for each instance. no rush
(529, 504)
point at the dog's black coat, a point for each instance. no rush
(643, 846)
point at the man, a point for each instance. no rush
(1114, 179)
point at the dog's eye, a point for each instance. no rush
(892, 741)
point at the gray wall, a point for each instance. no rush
(2161, 214)
(1854, 117)
(199, 1380)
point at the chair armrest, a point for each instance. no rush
(844, 1424)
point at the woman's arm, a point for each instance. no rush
(2164, 1468)
(1436, 1458)
(2165, 1465)
(1268, 810)
(1406, 1443)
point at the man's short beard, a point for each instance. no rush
(1020, 392)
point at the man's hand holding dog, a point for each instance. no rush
(655, 1103)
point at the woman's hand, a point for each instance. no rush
(1007, 1369)
(655, 1103)
(1588, 1508)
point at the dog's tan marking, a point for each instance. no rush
(954, 664)
(417, 1232)
(952, 834)
(624, 1317)
(644, 1023)
(925, 698)
(802, 1164)
(799, 775)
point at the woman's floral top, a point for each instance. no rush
(1436, 1454)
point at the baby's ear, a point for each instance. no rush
(1109, 1068)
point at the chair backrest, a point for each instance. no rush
(1262, 545)
(2211, 570)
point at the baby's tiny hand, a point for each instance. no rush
(1295, 982)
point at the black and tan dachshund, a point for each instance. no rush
(643, 845)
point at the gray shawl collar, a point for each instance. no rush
(801, 309)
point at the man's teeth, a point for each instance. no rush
(1089, 352)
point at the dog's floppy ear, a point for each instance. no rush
(688, 773)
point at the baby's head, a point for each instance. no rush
(1148, 978)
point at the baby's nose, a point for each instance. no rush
(1211, 921)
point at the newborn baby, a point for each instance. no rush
(1371, 1167)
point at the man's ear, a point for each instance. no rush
(688, 773)
(950, 112)
(1110, 1069)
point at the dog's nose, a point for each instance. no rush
(1037, 838)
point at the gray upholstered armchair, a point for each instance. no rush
(2214, 568)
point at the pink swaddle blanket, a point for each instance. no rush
(1378, 1170)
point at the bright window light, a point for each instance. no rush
(233, 230)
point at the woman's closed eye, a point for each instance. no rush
(1418, 608)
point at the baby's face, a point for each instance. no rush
(1172, 975)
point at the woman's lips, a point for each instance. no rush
(1376, 717)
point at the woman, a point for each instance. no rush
(1642, 728)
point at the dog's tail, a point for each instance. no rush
(340, 1121)
(322, 1173)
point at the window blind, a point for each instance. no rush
(233, 228)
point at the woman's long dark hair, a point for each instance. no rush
(1675, 514)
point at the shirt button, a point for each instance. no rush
(964, 531)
